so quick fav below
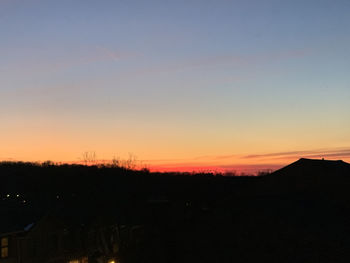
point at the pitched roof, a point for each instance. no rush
(17, 220)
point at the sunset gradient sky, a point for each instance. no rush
(182, 84)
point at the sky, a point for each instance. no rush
(182, 85)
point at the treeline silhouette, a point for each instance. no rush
(46, 181)
(300, 213)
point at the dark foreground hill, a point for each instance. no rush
(309, 177)
(300, 213)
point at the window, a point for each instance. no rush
(82, 260)
(4, 252)
(4, 247)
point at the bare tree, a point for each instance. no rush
(89, 158)
(130, 163)
(116, 162)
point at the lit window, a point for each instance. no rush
(82, 260)
(4, 252)
(4, 247)
(4, 242)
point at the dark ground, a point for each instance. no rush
(300, 213)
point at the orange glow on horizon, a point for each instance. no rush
(235, 163)
(237, 170)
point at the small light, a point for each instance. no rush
(7, 195)
(57, 196)
(24, 201)
(17, 195)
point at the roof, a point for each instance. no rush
(315, 167)
(16, 220)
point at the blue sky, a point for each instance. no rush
(173, 79)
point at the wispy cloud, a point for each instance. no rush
(35, 60)
(96, 55)
(223, 59)
(319, 153)
(246, 163)
(269, 157)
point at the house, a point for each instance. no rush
(70, 232)
(15, 225)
